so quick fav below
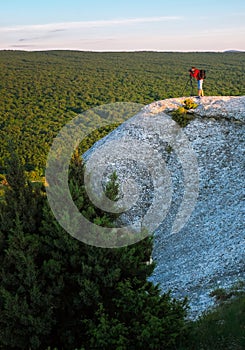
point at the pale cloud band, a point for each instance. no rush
(87, 24)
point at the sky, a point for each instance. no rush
(115, 25)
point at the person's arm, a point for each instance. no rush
(194, 73)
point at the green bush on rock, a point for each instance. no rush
(181, 115)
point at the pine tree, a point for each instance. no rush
(23, 201)
(25, 303)
(26, 315)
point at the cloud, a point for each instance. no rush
(57, 30)
(23, 46)
(86, 24)
(35, 38)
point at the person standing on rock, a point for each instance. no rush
(199, 76)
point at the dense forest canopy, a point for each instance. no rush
(41, 91)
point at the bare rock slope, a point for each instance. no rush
(208, 251)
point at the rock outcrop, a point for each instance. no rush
(208, 250)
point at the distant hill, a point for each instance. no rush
(233, 51)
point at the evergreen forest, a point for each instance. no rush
(41, 91)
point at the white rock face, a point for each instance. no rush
(208, 252)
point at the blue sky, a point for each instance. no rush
(108, 25)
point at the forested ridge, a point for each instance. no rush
(41, 91)
(57, 293)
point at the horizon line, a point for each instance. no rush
(122, 51)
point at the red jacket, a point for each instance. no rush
(195, 74)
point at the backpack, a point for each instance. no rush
(202, 74)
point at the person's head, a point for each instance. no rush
(193, 68)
